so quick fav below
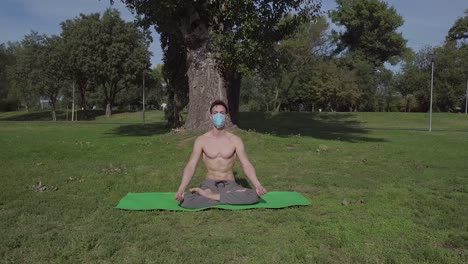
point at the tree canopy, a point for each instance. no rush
(459, 30)
(219, 41)
(369, 30)
(104, 52)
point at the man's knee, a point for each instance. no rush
(251, 196)
(243, 196)
(193, 201)
(189, 203)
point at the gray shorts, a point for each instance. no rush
(230, 193)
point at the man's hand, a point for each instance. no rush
(260, 190)
(179, 196)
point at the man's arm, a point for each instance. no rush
(248, 168)
(190, 168)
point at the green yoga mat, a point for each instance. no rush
(165, 201)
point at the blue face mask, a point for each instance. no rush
(219, 120)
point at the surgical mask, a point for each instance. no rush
(219, 120)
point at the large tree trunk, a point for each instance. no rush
(207, 80)
(206, 84)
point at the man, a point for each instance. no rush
(219, 149)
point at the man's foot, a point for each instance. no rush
(206, 193)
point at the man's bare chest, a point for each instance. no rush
(222, 149)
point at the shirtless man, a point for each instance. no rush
(219, 149)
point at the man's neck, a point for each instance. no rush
(218, 132)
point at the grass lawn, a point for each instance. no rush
(382, 191)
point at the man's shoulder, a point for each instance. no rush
(234, 138)
(201, 138)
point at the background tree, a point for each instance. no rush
(385, 90)
(457, 39)
(304, 75)
(369, 39)
(123, 58)
(336, 87)
(24, 75)
(80, 36)
(450, 77)
(174, 73)
(298, 58)
(221, 37)
(51, 77)
(459, 30)
(7, 60)
(131, 98)
(283, 82)
(157, 88)
(105, 52)
(415, 79)
(369, 30)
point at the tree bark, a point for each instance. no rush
(110, 96)
(52, 103)
(206, 84)
(277, 104)
(82, 87)
(83, 97)
(108, 110)
(207, 80)
(54, 117)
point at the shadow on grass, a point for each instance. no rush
(46, 115)
(36, 116)
(329, 126)
(140, 129)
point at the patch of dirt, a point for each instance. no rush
(347, 201)
(40, 187)
(82, 144)
(70, 179)
(322, 149)
(114, 169)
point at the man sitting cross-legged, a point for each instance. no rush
(219, 149)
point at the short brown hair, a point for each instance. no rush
(219, 102)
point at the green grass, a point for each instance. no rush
(405, 190)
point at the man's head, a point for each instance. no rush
(218, 112)
(218, 106)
